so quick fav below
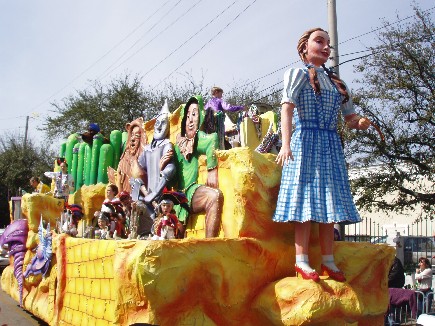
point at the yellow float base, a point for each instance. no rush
(244, 277)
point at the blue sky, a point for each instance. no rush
(49, 49)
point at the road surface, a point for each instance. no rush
(12, 315)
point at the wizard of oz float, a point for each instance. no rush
(61, 273)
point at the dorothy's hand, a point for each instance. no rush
(354, 121)
(363, 123)
(284, 156)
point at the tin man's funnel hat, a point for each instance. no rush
(165, 108)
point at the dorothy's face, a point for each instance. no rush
(317, 50)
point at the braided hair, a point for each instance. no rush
(314, 82)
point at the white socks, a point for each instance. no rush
(303, 263)
(328, 261)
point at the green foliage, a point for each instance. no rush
(398, 93)
(110, 106)
(18, 163)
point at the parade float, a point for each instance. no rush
(245, 276)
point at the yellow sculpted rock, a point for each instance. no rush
(244, 277)
(35, 206)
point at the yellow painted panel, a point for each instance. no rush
(99, 308)
(96, 286)
(79, 286)
(87, 286)
(74, 301)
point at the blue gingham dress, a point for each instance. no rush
(315, 186)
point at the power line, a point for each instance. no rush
(295, 62)
(280, 82)
(106, 71)
(271, 73)
(126, 37)
(278, 90)
(361, 57)
(192, 36)
(289, 65)
(209, 41)
(258, 100)
(379, 28)
(342, 55)
(160, 8)
(364, 56)
(98, 60)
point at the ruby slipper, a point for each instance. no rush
(307, 275)
(335, 275)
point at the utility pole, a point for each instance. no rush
(25, 132)
(333, 36)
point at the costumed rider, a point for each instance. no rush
(157, 162)
(38, 186)
(70, 219)
(88, 136)
(166, 225)
(63, 181)
(215, 116)
(127, 207)
(191, 144)
(114, 212)
(103, 224)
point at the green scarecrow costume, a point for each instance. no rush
(190, 145)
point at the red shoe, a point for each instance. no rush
(307, 275)
(335, 275)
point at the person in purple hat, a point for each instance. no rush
(93, 129)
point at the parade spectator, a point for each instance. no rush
(396, 275)
(423, 275)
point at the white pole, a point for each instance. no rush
(333, 35)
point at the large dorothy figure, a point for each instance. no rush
(314, 185)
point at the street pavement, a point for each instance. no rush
(11, 314)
